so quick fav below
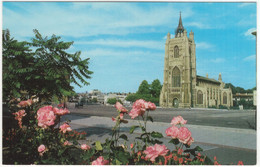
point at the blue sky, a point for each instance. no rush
(125, 40)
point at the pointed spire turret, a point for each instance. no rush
(180, 28)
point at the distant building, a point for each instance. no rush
(96, 94)
(118, 96)
(182, 87)
(245, 96)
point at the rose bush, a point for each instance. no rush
(38, 138)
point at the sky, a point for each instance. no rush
(125, 41)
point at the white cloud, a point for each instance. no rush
(118, 53)
(125, 43)
(87, 19)
(204, 45)
(247, 20)
(198, 25)
(250, 58)
(248, 33)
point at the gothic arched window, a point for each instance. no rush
(176, 77)
(176, 51)
(199, 97)
(224, 98)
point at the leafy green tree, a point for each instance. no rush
(147, 92)
(46, 72)
(156, 88)
(113, 101)
(131, 97)
(17, 64)
(144, 88)
(233, 88)
(238, 89)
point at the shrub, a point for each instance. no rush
(38, 138)
(113, 100)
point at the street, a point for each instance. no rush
(244, 119)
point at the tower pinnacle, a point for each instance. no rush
(180, 28)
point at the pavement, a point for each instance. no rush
(229, 145)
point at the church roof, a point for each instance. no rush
(207, 79)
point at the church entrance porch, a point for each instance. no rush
(175, 103)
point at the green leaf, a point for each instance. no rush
(132, 129)
(123, 157)
(157, 141)
(98, 146)
(118, 162)
(197, 148)
(18, 85)
(150, 118)
(123, 136)
(156, 135)
(174, 141)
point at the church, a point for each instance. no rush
(182, 87)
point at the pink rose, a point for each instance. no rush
(41, 148)
(133, 113)
(184, 135)
(113, 119)
(154, 151)
(100, 161)
(191, 140)
(19, 116)
(85, 147)
(180, 151)
(139, 108)
(172, 131)
(120, 107)
(25, 103)
(61, 105)
(46, 116)
(65, 128)
(151, 106)
(60, 112)
(67, 143)
(240, 163)
(178, 120)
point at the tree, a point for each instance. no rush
(238, 89)
(46, 72)
(17, 64)
(156, 88)
(233, 88)
(113, 101)
(147, 92)
(144, 88)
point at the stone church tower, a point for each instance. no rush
(182, 88)
(179, 69)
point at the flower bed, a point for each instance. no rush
(39, 138)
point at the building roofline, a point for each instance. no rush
(207, 79)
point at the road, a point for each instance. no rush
(242, 119)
